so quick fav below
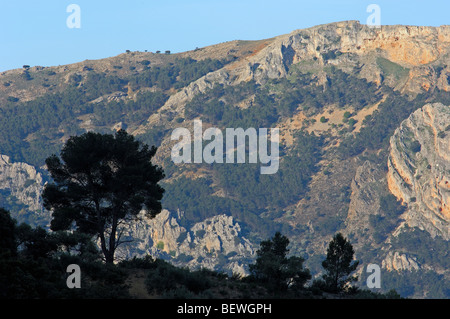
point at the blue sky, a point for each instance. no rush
(35, 32)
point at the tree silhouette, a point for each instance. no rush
(338, 264)
(102, 182)
(8, 245)
(275, 270)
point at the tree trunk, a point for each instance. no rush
(112, 241)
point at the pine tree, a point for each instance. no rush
(339, 265)
(274, 270)
(102, 182)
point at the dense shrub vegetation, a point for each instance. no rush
(248, 192)
(195, 198)
(31, 131)
(423, 247)
(177, 74)
(386, 223)
(219, 106)
(379, 127)
(128, 111)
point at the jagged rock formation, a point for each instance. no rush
(205, 244)
(23, 182)
(397, 261)
(364, 200)
(365, 194)
(419, 168)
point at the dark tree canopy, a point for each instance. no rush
(7, 237)
(339, 264)
(275, 270)
(101, 182)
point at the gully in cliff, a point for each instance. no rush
(235, 142)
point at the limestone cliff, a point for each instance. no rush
(419, 168)
(22, 182)
(203, 244)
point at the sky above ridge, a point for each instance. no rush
(52, 32)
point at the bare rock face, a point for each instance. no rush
(409, 47)
(364, 200)
(202, 245)
(115, 96)
(22, 181)
(397, 261)
(365, 195)
(419, 168)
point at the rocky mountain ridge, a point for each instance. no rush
(348, 195)
(409, 46)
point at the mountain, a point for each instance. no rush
(364, 122)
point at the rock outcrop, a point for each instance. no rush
(204, 244)
(21, 181)
(398, 262)
(364, 199)
(419, 168)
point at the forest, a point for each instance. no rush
(249, 193)
(29, 131)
